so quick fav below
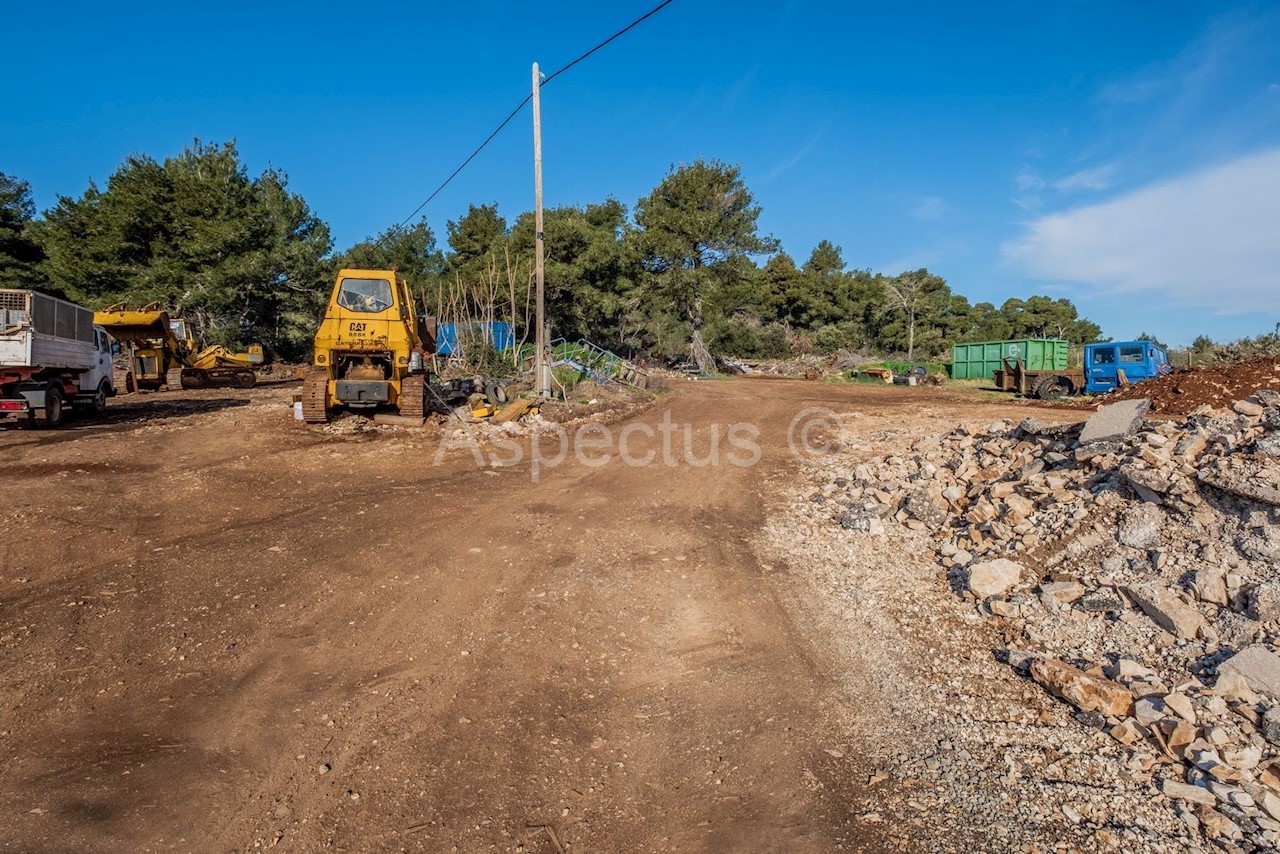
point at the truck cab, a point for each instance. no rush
(1116, 363)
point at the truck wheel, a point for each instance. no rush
(54, 414)
(99, 402)
(1054, 388)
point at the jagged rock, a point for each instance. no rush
(1233, 686)
(1245, 482)
(1271, 725)
(1269, 444)
(1164, 607)
(1181, 705)
(921, 507)
(1148, 710)
(1235, 630)
(994, 577)
(1085, 692)
(1114, 421)
(1065, 592)
(1149, 485)
(1258, 666)
(1100, 601)
(1140, 526)
(1210, 585)
(1006, 609)
(1248, 408)
(1264, 601)
(1184, 792)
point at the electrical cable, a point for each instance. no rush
(527, 98)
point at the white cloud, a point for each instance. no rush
(1205, 240)
(1098, 178)
(929, 209)
(1027, 184)
(1274, 87)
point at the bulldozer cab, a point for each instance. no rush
(367, 296)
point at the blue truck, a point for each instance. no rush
(1107, 366)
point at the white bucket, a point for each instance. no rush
(297, 410)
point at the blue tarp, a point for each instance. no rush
(447, 335)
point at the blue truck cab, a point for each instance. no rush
(1139, 360)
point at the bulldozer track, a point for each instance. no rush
(412, 389)
(314, 390)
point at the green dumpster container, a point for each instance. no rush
(982, 359)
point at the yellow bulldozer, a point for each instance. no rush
(371, 348)
(164, 351)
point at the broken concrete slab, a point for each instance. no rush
(1167, 610)
(1140, 526)
(1258, 666)
(1115, 421)
(1252, 482)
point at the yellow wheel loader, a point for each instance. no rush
(165, 353)
(371, 348)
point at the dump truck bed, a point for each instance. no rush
(37, 330)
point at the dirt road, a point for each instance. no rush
(224, 631)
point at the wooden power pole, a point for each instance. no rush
(542, 368)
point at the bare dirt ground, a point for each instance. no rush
(223, 631)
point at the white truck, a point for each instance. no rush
(51, 356)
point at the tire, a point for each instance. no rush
(495, 393)
(98, 404)
(55, 412)
(1054, 388)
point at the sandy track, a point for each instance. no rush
(221, 630)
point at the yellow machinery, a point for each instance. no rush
(165, 353)
(371, 348)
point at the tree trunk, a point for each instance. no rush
(701, 355)
(911, 335)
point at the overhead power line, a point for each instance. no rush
(516, 112)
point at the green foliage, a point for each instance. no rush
(20, 252)
(473, 237)
(1042, 317)
(245, 259)
(240, 258)
(690, 232)
(746, 337)
(590, 271)
(412, 251)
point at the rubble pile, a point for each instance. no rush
(1182, 392)
(1133, 569)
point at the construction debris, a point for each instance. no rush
(1135, 567)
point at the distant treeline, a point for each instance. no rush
(246, 259)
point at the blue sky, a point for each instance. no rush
(1125, 154)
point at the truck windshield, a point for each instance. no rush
(365, 295)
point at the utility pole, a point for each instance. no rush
(542, 369)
